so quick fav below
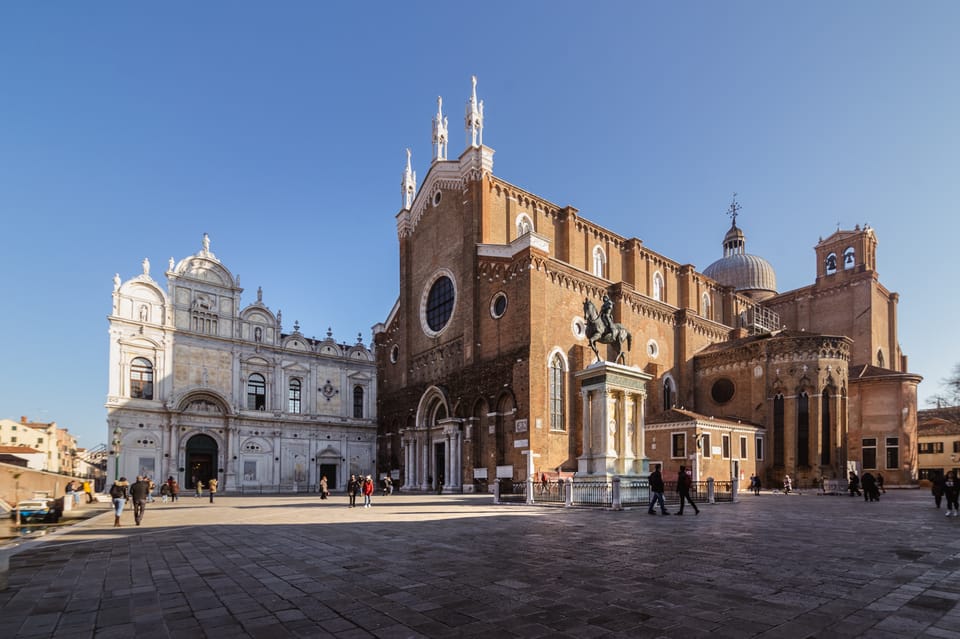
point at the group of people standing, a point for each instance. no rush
(359, 485)
(868, 485)
(657, 488)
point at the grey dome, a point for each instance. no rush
(747, 274)
(744, 273)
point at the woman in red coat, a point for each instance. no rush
(367, 490)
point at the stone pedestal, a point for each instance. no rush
(613, 434)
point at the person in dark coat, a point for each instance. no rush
(139, 491)
(119, 495)
(684, 482)
(951, 490)
(854, 484)
(353, 487)
(936, 489)
(870, 491)
(656, 492)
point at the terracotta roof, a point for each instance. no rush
(937, 426)
(22, 450)
(682, 415)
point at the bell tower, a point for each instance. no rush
(846, 253)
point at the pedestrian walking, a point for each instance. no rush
(869, 484)
(119, 495)
(853, 484)
(164, 492)
(951, 490)
(88, 491)
(212, 487)
(367, 491)
(198, 488)
(936, 489)
(323, 487)
(656, 492)
(353, 487)
(684, 483)
(755, 484)
(880, 483)
(174, 489)
(787, 484)
(153, 487)
(138, 493)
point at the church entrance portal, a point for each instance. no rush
(201, 460)
(330, 472)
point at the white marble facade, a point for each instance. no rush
(200, 385)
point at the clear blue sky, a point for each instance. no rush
(127, 130)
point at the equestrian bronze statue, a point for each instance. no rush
(601, 329)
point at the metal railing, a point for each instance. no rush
(607, 494)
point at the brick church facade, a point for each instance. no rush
(478, 360)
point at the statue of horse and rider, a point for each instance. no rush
(601, 329)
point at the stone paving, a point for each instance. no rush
(791, 566)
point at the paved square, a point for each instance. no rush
(458, 566)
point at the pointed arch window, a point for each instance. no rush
(557, 421)
(825, 428)
(667, 393)
(141, 378)
(599, 262)
(880, 358)
(524, 225)
(256, 392)
(293, 396)
(658, 287)
(778, 412)
(803, 429)
(358, 402)
(705, 306)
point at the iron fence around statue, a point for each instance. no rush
(590, 493)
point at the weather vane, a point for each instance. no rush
(734, 209)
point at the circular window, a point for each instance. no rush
(653, 349)
(437, 303)
(722, 390)
(394, 354)
(437, 197)
(498, 305)
(579, 328)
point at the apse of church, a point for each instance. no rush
(482, 360)
(201, 386)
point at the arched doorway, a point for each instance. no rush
(201, 452)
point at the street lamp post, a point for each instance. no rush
(116, 453)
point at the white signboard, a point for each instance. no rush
(521, 443)
(505, 472)
(479, 473)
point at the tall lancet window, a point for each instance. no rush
(667, 393)
(658, 287)
(556, 394)
(778, 430)
(803, 429)
(825, 428)
(599, 262)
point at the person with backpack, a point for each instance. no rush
(684, 482)
(119, 496)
